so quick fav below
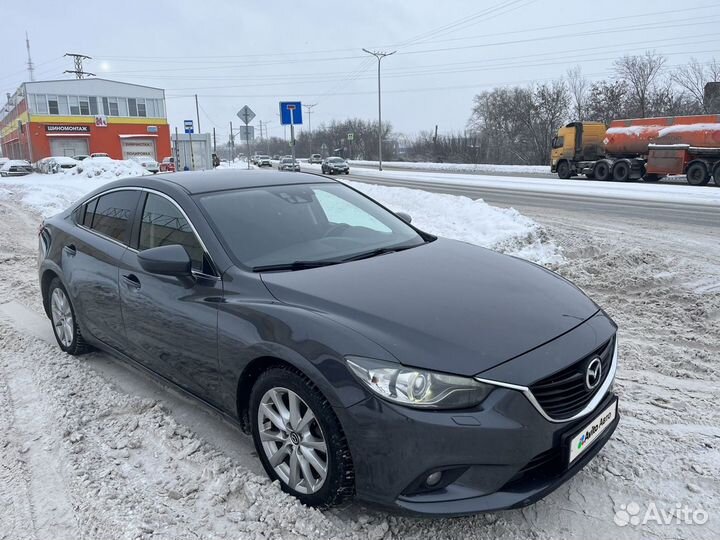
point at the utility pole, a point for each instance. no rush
(309, 108)
(214, 142)
(30, 65)
(197, 113)
(232, 145)
(78, 61)
(379, 55)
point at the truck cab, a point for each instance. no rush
(575, 143)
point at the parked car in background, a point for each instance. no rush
(276, 157)
(80, 157)
(215, 160)
(335, 165)
(315, 158)
(3, 161)
(56, 164)
(263, 161)
(99, 155)
(286, 164)
(16, 167)
(148, 163)
(41, 165)
(167, 164)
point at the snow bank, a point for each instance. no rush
(107, 168)
(468, 220)
(459, 167)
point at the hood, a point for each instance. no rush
(446, 305)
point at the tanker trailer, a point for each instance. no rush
(647, 148)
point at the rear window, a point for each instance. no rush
(112, 213)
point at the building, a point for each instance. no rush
(83, 116)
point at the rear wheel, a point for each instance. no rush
(716, 174)
(563, 170)
(299, 439)
(601, 171)
(65, 327)
(621, 171)
(697, 174)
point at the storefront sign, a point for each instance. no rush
(152, 129)
(101, 120)
(67, 129)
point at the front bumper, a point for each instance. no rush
(502, 455)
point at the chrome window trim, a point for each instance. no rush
(590, 407)
(173, 202)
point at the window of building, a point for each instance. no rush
(123, 106)
(160, 108)
(141, 109)
(106, 106)
(151, 110)
(111, 106)
(53, 107)
(93, 105)
(63, 105)
(164, 225)
(41, 102)
(74, 105)
(132, 106)
(84, 106)
(111, 217)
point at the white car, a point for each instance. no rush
(16, 167)
(56, 164)
(148, 163)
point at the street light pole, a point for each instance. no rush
(309, 108)
(379, 55)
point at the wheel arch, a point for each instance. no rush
(45, 279)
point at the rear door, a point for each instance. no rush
(171, 324)
(90, 262)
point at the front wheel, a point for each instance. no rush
(299, 439)
(563, 170)
(62, 314)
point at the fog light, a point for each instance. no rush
(433, 479)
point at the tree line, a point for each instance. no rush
(515, 125)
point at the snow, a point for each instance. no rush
(49, 194)
(685, 128)
(468, 220)
(459, 167)
(636, 131)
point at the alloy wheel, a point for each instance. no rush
(292, 440)
(62, 317)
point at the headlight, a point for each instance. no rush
(418, 388)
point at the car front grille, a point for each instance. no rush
(564, 394)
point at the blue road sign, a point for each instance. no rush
(288, 108)
(189, 126)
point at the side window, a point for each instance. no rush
(340, 211)
(164, 225)
(88, 213)
(112, 212)
(558, 142)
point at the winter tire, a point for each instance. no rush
(563, 170)
(601, 171)
(65, 326)
(621, 171)
(697, 174)
(299, 439)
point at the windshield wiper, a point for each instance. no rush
(379, 251)
(295, 265)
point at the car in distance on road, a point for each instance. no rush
(80, 157)
(315, 158)
(263, 161)
(167, 164)
(333, 165)
(148, 163)
(16, 167)
(287, 164)
(99, 155)
(364, 356)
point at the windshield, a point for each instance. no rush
(286, 160)
(336, 160)
(278, 225)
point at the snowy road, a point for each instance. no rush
(599, 201)
(90, 448)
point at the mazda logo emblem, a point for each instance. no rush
(593, 373)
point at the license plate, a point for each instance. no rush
(592, 431)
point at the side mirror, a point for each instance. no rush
(166, 261)
(405, 217)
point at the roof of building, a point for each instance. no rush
(93, 79)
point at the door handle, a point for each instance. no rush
(70, 250)
(131, 281)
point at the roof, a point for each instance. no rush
(83, 81)
(222, 179)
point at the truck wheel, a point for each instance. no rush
(601, 171)
(621, 172)
(697, 174)
(563, 170)
(716, 174)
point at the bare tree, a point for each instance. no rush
(694, 76)
(578, 86)
(640, 72)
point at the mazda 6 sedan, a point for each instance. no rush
(367, 358)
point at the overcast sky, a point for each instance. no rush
(248, 52)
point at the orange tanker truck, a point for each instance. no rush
(647, 148)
